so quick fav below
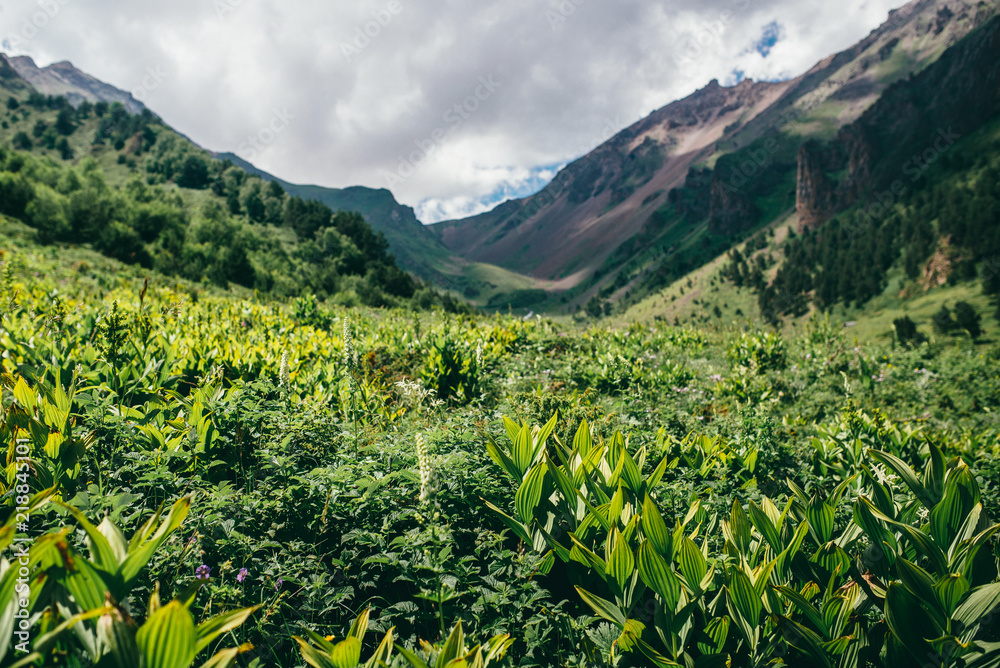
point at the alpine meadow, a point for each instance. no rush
(721, 391)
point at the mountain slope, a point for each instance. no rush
(64, 79)
(898, 215)
(415, 247)
(685, 183)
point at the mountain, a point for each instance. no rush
(692, 179)
(64, 79)
(415, 247)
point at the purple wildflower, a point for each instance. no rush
(242, 575)
(202, 572)
(278, 584)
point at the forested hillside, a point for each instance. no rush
(136, 191)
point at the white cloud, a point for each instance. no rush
(368, 81)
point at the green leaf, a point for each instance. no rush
(502, 460)
(743, 595)
(978, 603)
(658, 576)
(908, 621)
(514, 525)
(605, 609)
(140, 554)
(411, 657)
(530, 493)
(167, 639)
(656, 529)
(630, 473)
(693, 564)
(803, 639)
(582, 442)
(211, 629)
(621, 562)
(739, 527)
(766, 528)
(346, 653)
(905, 473)
(920, 583)
(821, 517)
(950, 590)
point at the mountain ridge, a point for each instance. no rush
(702, 171)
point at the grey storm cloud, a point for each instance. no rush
(452, 105)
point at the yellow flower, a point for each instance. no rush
(329, 638)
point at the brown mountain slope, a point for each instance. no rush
(569, 231)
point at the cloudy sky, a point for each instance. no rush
(454, 106)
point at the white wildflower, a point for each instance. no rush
(424, 465)
(283, 371)
(479, 355)
(412, 392)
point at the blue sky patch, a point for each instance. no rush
(772, 32)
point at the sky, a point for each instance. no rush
(453, 106)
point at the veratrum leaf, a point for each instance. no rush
(167, 639)
(658, 576)
(656, 529)
(530, 493)
(603, 608)
(693, 564)
(978, 603)
(744, 596)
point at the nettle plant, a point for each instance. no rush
(885, 568)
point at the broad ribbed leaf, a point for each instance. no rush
(766, 528)
(821, 516)
(805, 640)
(929, 548)
(739, 527)
(512, 428)
(978, 603)
(658, 576)
(656, 529)
(530, 493)
(920, 583)
(514, 525)
(139, 555)
(582, 442)
(605, 609)
(905, 473)
(621, 563)
(908, 621)
(167, 639)
(312, 656)
(693, 564)
(630, 473)
(744, 596)
(453, 646)
(950, 590)
(502, 460)
(346, 653)
(211, 629)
